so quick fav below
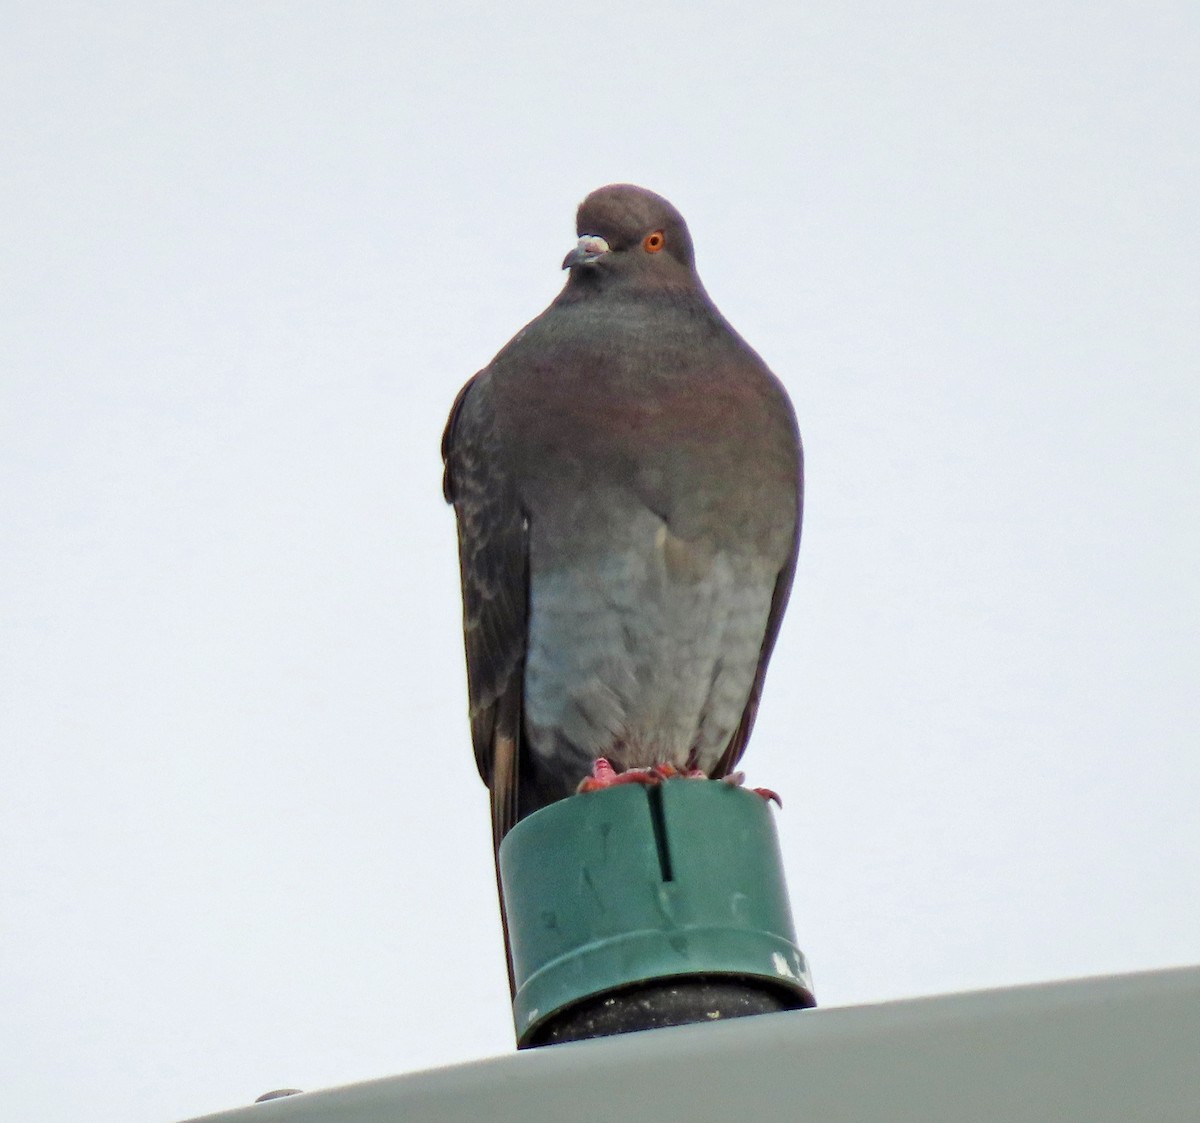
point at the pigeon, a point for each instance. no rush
(627, 480)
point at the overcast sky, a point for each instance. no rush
(252, 250)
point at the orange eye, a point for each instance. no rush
(652, 243)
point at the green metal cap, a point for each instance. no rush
(617, 887)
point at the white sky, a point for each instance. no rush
(253, 250)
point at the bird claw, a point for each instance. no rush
(738, 780)
(604, 775)
(667, 771)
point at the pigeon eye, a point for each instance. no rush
(652, 243)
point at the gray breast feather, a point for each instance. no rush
(645, 656)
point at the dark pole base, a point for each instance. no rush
(664, 1002)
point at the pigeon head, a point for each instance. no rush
(627, 231)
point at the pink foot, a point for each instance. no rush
(604, 775)
(668, 771)
(738, 779)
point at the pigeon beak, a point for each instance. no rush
(591, 249)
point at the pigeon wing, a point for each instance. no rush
(493, 536)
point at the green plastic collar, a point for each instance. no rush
(621, 886)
